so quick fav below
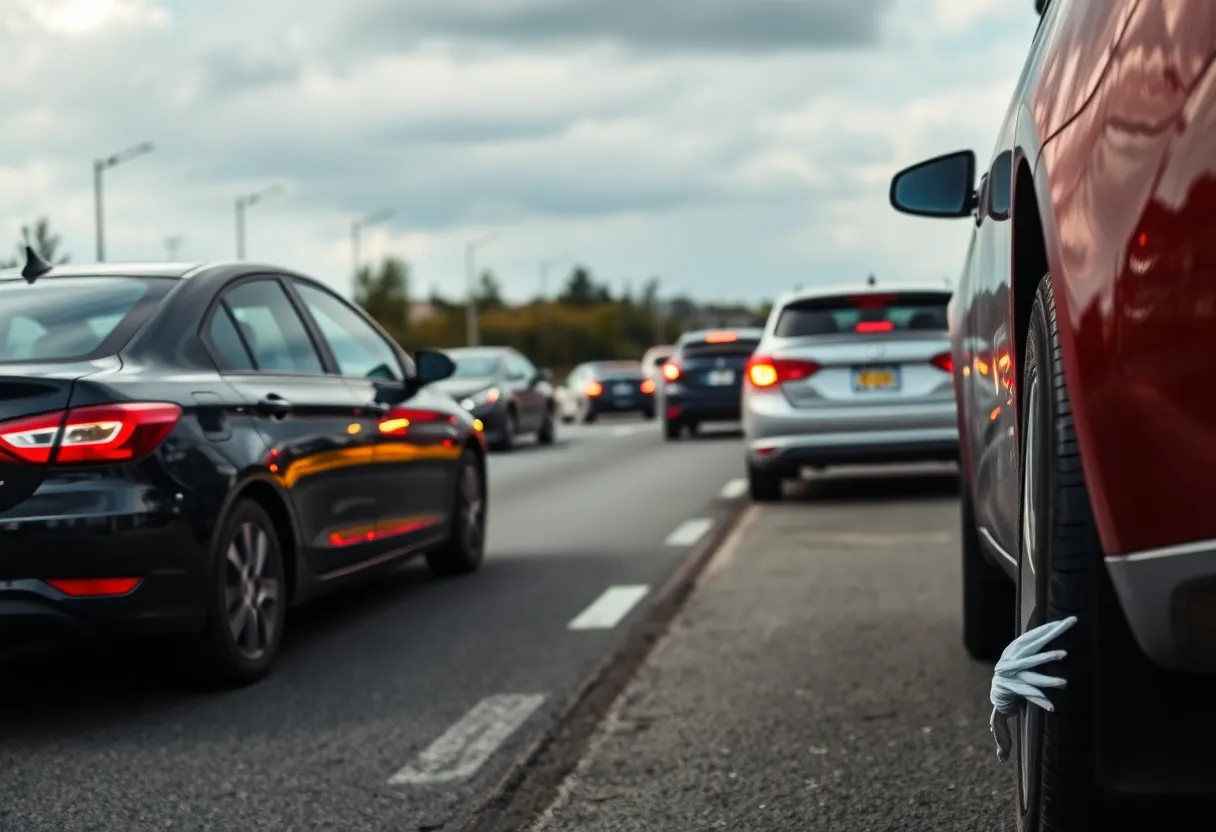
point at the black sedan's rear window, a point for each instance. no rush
(60, 319)
(865, 314)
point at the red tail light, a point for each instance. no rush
(874, 326)
(671, 371)
(763, 371)
(105, 433)
(594, 388)
(943, 362)
(399, 419)
(94, 587)
(648, 386)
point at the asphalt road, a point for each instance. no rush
(395, 706)
(815, 679)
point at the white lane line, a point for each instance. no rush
(607, 611)
(466, 746)
(628, 430)
(689, 532)
(734, 488)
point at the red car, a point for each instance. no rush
(1082, 331)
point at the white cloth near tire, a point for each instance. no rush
(1015, 679)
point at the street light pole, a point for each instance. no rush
(243, 203)
(100, 166)
(470, 312)
(374, 218)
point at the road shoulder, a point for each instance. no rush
(813, 680)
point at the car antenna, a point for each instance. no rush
(871, 280)
(35, 267)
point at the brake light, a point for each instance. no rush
(763, 371)
(671, 371)
(943, 362)
(104, 433)
(398, 420)
(94, 587)
(648, 386)
(721, 337)
(874, 326)
(594, 388)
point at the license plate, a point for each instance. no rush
(623, 390)
(721, 378)
(866, 379)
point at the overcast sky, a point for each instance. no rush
(733, 148)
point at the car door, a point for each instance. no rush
(318, 446)
(415, 448)
(531, 391)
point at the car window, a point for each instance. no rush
(519, 368)
(276, 336)
(866, 314)
(227, 341)
(59, 319)
(360, 351)
(474, 366)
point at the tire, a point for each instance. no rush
(247, 579)
(1058, 791)
(694, 429)
(510, 427)
(764, 486)
(589, 416)
(988, 594)
(548, 428)
(648, 415)
(465, 548)
(672, 430)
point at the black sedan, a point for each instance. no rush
(191, 451)
(703, 379)
(600, 387)
(505, 392)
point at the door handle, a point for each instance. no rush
(275, 406)
(379, 408)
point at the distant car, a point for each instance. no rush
(600, 387)
(188, 451)
(847, 375)
(654, 359)
(702, 380)
(503, 389)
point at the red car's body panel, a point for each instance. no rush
(1115, 116)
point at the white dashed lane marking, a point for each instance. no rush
(610, 608)
(689, 532)
(465, 747)
(734, 489)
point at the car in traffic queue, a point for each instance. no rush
(703, 378)
(654, 359)
(1082, 330)
(849, 375)
(603, 387)
(187, 451)
(506, 392)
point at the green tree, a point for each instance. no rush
(43, 240)
(582, 290)
(489, 291)
(384, 292)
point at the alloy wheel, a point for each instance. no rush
(252, 592)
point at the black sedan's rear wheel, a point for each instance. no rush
(1058, 576)
(246, 599)
(548, 428)
(465, 547)
(510, 427)
(672, 429)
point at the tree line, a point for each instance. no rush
(586, 321)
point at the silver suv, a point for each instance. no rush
(849, 376)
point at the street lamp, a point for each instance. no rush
(245, 202)
(374, 218)
(100, 166)
(171, 246)
(470, 318)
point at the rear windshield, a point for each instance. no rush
(479, 366)
(731, 349)
(616, 369)
(865, 314)
(58, 319)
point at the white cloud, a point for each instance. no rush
(723, 167)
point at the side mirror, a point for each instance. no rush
(939, 187)
(432, 366)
